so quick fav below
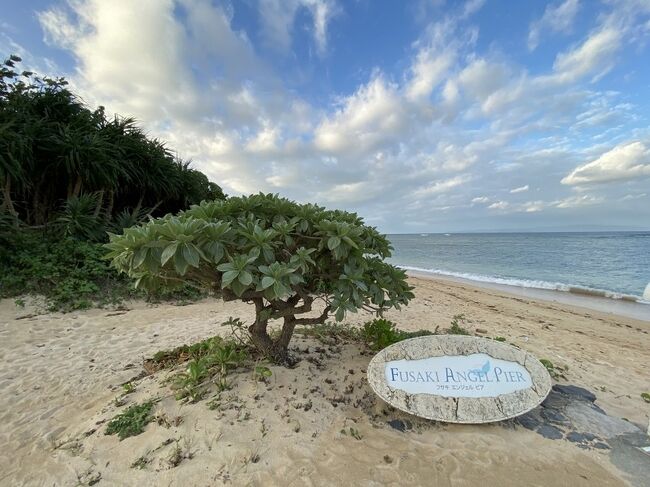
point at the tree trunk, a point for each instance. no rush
(259, 336)
(286, 334)
(278, 350)
(100, 203)
(77, 187)
(111, 201)
(7, 203)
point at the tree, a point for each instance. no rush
(277, 254)
(54, 149)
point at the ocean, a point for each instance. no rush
(608, 264)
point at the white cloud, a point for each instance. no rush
(429, 69)
(480, 199)
(442, 186)
(594, 56)
(556, 18)
(624, 162)
(533, 206)
(367, 119)
(577, 201)
(278, 17)
(520, 189)
(499, 205)
(629, 197)
(471, 7)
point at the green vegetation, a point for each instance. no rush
(132, 421)
(555, 371)
(69, 174)
(212, 360)
(645, 396)
(380, 333)
(277, 254)
(70, 273)
(353, 432)
(170, 358)
(499, 339)
(456, 328)
(55, 149)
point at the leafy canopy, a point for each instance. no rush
(266, 247)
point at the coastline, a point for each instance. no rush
(586, 300)
(71, 367)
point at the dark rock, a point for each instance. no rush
(397, 424)
(601, 446)
(528, 421)
(553, 415)
(577, 392)
(550, 432)
(576, 437)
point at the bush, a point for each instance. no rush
(380, 333)
(70, 273)
(279, 255)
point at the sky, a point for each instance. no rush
(422, 115)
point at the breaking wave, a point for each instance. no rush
(531, 283)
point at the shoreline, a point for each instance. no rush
(602, 304)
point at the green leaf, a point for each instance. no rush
(139, 257)
(228, 277)
(180, 264)
(245, 278)
(350, 242)
(190, 255)
(226, 266)
(168, 253)
(267, 281)
(333, 243)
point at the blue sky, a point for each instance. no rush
(423, 116)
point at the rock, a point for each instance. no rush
(576, 437)
(575, 391)
(553, 415)
(528, 421)
(550, 432)
(397, 424)
(481, 330)
(586, 418)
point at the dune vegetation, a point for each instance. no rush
(68, 175)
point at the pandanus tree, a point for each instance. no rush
(56, 153)
(282, 256)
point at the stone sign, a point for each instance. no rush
(459, 379)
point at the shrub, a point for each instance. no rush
(131, 422)
(380, 333)
(277, 254)
(70, 273)
(456, 328)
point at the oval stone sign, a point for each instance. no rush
(458, 379)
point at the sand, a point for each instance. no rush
(60, 374)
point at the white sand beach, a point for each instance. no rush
(60, 374)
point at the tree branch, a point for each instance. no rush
(314, 321)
